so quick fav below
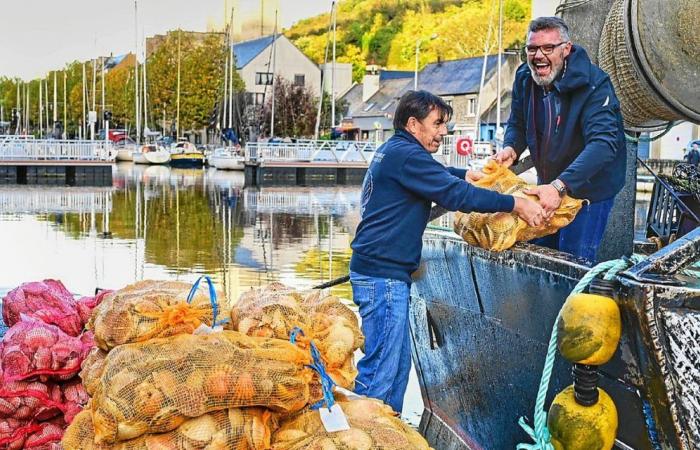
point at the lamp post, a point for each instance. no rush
(418, 43)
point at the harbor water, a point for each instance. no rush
(157, 222)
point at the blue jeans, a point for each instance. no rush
(582, 236)
(384, 370)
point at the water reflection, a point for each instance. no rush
(158, 222)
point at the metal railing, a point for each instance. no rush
(14, 148)
(55, 200)
(447, 153)
(311, 151)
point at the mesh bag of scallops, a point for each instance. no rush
(370, 425)
(235, 429)
(277, 310)
(153, 309)
(500, 231)
(156, 385)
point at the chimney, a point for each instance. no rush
(370, 83)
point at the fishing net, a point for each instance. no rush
(48, 301)
(236, 429)
(373, 425)
(154, 386)
(32, 348)
(16, 435)
(85, 305)
(500, 231)
(277, 310)
(91, 369)
(151, 309)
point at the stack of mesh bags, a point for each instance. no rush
(40, 357)
(277, 310)
(500, 231)
(164, 387)
(372, 425)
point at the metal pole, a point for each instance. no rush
(225, 102)
(230, 71)
(65, 107)
(498, 81)
(335, 17)
(274, 81)
(415, 76)
(137, 92)
(177, 117)
(18, 108)
(41, 110)
(477, 119)
(55, 99)
(102, 83)
(82, 120)
(145, 91)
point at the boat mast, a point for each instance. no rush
(323, 82)
(65, 107)
(41, 109)
(55, 100)
(137, 92)
(274, 80)
(177, 114)
(94, 97)
(145, 90)
(102, 85)
(17, 107)
(498, 81)
(82, 121)
(477, 118)
(225, 109)
(334, 12)
(230, 71)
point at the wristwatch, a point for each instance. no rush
(559, 186)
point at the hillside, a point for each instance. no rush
(384, 32)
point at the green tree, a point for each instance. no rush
(295, 110)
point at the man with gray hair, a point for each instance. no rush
(565, 111)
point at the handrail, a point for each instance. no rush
(670, 190)
(29, 148)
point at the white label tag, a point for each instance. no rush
(334, 419)
(204, 329)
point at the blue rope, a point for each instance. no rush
(212, 298)
(327, 383)
(540, 433)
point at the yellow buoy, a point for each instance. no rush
(589, 326)
(577, 427)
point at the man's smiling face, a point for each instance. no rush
(546, 68)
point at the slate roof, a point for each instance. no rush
(385, 100)
(461, 76)
(395, 74)
(247, 50)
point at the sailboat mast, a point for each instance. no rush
(137, 92)
(225, 102)
(230, 71)
(102, 85)
(335, 18)
(323, 81)
(145, 91)
(55, 99)
(41, 109)
(46, 102)
(65, 106)
(18, 108)
(477, 116)
(274, 79)
(177, 118)
(498, 81)
(82, 120)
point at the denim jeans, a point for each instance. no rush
(384, 370)
(582, 236)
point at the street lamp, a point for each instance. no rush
(418, 43)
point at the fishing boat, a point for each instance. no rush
(227, 158)
(151, 154)
(185, 154)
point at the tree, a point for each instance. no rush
(295, 110)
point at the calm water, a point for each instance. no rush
(162, 223)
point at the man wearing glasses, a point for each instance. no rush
(565, 111)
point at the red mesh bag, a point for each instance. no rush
(48, 301)
(32, 348)
(85, 305)
(16, 435)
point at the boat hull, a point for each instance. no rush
(227, 163)
(187, 160)
(157, 157)
(125, 154)
(480, 324)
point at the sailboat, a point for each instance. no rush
(228, 157)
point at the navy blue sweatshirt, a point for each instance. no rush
(576, 134)
(401, 182)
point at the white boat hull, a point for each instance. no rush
(227, 163)
(157, 157)
(125, 154)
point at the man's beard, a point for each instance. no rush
(547, 80)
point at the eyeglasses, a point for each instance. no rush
(546, 49)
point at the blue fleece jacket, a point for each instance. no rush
(401, 183)
(585, 143)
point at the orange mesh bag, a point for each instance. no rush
(236, 429)
(151, 309)
(373, 425)
(91, 369)
(500, 231)
(277, 310)
(154, 386)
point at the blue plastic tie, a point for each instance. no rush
(539, 433)
(212, 299)
(327, 382)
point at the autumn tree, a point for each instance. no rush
(295, 110)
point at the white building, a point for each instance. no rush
(255, 65)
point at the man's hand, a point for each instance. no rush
(548, 195)
(529, 211)
(474, 175)
(506, 157)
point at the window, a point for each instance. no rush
(299, 79)
(368, 107)
(259, 98)
(385, 107)
(448, 101)
(471, 111)
(263, 78)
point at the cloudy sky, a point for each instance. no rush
(37, 36)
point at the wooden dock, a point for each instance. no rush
(25, 160)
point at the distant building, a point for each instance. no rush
(372, 104)
(254, 65)
(343, 77)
